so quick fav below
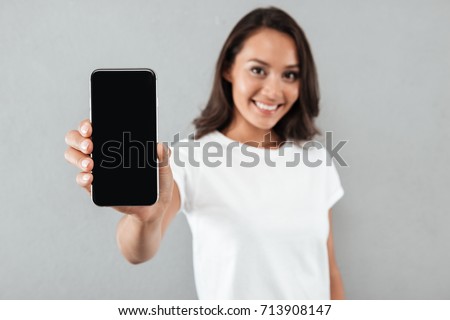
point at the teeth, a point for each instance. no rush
(265, 106)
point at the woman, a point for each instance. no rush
(261, 229)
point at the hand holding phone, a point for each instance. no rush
(124, 94)
(79, 156)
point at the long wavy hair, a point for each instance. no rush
(298, 123)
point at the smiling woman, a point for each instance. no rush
(260, 231)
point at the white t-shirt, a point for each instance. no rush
(259, 231)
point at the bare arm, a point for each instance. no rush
(336, 284)
(139, 240)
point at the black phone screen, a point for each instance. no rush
(124, 135)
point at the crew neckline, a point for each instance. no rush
(228, 140)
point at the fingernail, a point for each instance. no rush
(85, 177)
(84, 145)
(84, 129)
(85, 163)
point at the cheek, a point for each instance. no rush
(293, 93)
(245, 87)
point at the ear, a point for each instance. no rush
(227, 75)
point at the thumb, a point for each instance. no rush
(163, 157)
(165, 173)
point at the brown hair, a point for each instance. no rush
(298, 123)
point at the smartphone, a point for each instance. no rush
(124, 117)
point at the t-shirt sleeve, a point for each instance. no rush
(183, 173)
(334, 190)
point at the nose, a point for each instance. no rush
(272, 88)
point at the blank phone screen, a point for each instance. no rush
(124, 135)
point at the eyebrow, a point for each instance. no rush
(266, 64)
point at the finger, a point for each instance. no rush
(84, 180)
(75, 140)
(85, 128)
(79, 159)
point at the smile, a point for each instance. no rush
(266, 107)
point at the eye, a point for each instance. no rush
(258, 71)
(292, 75)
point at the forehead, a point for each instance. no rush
(271, 46)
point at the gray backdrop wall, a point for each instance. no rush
(384, 73)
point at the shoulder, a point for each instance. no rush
(311, 151)
(191, 142)
(192, 148)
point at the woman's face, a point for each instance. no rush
(265, 80)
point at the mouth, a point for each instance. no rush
(266, 108)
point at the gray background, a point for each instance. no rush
(384, 74)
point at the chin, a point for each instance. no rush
(264, 126)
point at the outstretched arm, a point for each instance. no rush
(336, 284)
